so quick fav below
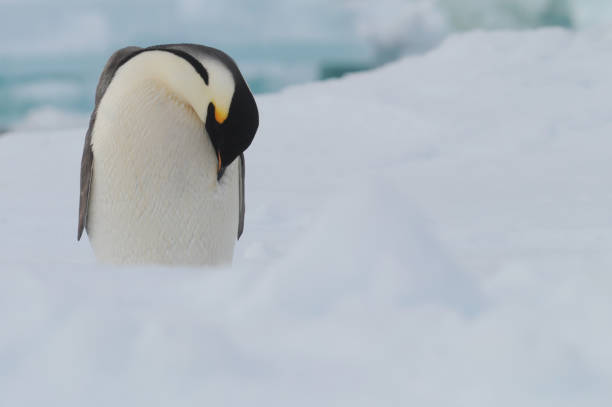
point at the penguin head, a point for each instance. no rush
(232, 117)
(210, 82)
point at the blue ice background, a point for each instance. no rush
(51, 52)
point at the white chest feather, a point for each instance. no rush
(155, 197)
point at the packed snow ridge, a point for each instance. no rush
(433, 233)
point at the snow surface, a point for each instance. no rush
(433, 233)
(51, 118)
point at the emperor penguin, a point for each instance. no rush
(162, 172)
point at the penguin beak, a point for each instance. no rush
(220, 167)
(220, 117)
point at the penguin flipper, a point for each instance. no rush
(241, 207)
(114, 62)
(86, 176)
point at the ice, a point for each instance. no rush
(435, 232)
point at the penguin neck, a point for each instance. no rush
(155, 132)
(168, 71)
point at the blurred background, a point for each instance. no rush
(51, 52)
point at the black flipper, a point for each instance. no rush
(241, 197)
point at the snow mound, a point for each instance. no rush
(50, 118)
(432, 233)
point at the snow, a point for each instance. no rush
(50, 118)
(397, 27)
(436, 232)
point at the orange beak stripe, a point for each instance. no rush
(220, 116)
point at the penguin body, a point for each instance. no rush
(155, 188)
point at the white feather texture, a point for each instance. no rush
(155, 197)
